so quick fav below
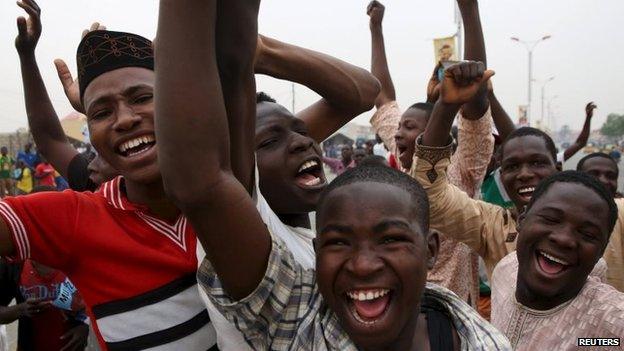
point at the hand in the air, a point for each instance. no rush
(463, 81)
(589, 109)
(70, 85)
(375, 10)
(29, 30)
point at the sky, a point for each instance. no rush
(583, 54)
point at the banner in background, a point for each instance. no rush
(445, 49)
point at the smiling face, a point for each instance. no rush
(289, 161)
(412, 124)
(561, 238)
(525, 162)
(120, 111)
(372, 261)
(605, 170)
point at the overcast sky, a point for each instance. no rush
(584, 53)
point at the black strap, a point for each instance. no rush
(439, 325)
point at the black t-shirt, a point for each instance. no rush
(78, 174)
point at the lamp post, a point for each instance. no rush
(551, 117)
(530, 46)
(543, 95)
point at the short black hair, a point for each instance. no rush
(374, 160)
(376, 173)
(582, 179)
(529, 131)
(264, 97)
(425, 106)
(581, 163)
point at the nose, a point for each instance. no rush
(300, 143)
(398, 135)
(525, 173)
(564, 238)
(126, 118)
(364, 263)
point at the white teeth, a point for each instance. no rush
(554, 259)
(136, 142)
(307, 165)
(368, 294)
(527, 190)
(313, 182)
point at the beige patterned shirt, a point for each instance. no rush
(614, 255)
(597, 312)
(456, 267)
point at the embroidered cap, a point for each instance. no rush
(103, 51)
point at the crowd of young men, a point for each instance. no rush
(392, 262)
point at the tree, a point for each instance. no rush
(614, 126)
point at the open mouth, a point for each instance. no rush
(526, 193)
(310, 175)
(369, 306)
(550, 264)
(136, 146)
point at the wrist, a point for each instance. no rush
(376, 27)
(27, 55)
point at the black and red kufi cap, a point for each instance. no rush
(103, 51)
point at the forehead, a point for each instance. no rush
(526, 145)
(577, 199)
(599, 163)
(117, 81)
(270, 114)
(366, 204)
(415, 114)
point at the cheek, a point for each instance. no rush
(328, 266)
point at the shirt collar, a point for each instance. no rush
(115, 196)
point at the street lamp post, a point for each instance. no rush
(530, 46)
(544, 94)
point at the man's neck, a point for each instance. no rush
(346, 161)
(529, 299)
(299, 220)
(152, 195)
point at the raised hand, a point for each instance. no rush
(29, 30)
(589, 109)
(463, 81)
(375, 11)
(433, 87)
(70, 85)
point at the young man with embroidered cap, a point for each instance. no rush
(456, 267)
(542, 295)
(370, 274)
(127, 248)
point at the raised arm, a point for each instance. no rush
(379, 61)
(346, 90)
(474, 44)
(193, 139)
(502, 121)
(42, 119)
(581, 141)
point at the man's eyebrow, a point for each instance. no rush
(336, 228)
(385, 225)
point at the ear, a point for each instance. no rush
(433, 245)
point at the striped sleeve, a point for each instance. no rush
(281, 308)
(42, 227)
